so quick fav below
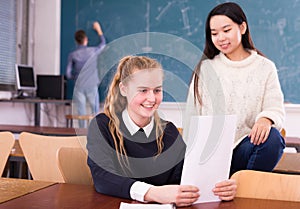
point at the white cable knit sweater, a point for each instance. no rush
(249, 89)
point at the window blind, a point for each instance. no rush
(8, 44)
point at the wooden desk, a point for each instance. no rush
(52, 131)
(37, 105)
(289, 163)
(293, 142)
(81, 196)
(12, 188)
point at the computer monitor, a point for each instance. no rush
(25, 78)
(51, 87)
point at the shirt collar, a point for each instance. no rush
(81, 46)
(132, 127)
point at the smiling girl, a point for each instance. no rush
(132, 152)
(233, 77)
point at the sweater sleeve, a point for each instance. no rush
(107, 176)
(108, 183)
(273, 102)
(191, 109)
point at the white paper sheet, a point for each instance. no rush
(124, 205)
(209, 151)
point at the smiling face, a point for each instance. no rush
(143, 91)
(226, 35)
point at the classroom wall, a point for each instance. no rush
(46, 53)
(45, 56)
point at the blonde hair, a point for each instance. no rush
(115, 103)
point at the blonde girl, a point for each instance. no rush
(133, 153)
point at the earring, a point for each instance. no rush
(122, 93)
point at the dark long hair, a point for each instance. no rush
(237, 15)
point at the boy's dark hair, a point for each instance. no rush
(80, 36)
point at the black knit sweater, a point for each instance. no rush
(111, 178)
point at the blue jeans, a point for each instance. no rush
(263, 157)
(81, 96)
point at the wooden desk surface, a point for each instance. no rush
(59, 131)
(80, 196)
(289, 163)
(12, 188)
(37, 100)
(293, 142)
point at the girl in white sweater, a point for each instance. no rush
(233, 77)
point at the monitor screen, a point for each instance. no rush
(51, 87)
(25, 77)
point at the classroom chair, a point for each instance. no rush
(7, 141)
(267, 185)
(40, 153)
(180, 130)
(72, 163)
(283, 132)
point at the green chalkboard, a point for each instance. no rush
(172, 31)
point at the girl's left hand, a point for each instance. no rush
(260, 131)
(226, 190)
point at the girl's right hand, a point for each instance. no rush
(181, 195)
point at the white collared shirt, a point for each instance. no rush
(132, 127)
(138, 189)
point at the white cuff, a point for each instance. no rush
(138, 190)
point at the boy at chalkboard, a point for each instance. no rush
(85, 91)
(233, 77)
